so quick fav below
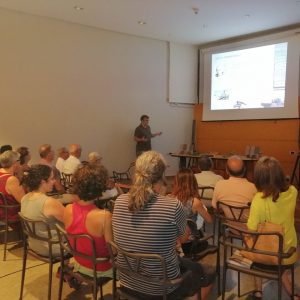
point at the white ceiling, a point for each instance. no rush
(170, 20)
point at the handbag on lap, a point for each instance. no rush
(264, 243)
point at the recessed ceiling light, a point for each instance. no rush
(78, 8)
(142, 22)
(247, 15)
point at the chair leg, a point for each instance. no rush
(218, 270)
(50, 280)
(114, 283)
(95, 289)
(224, 283)
(23, 270)
(61, 280)
(293, 281)
(239, 286)
(279, 287)
(5, 241)
(101, 291)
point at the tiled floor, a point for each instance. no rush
(36, 281)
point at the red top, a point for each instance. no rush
(12, 212)
(78, 226)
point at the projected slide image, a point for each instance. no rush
(249, 78)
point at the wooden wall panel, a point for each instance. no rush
(274, 137)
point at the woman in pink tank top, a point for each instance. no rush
(83, 216)
(9, 184)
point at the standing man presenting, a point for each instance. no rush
(143, 135)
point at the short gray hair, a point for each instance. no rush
(8, 158)
(94, 156)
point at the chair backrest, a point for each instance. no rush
(131, 264)
(5, 207)
(66, 180)
(233, 213)
(124, 177)
(205, 192)
(33, 228)
(70, 243)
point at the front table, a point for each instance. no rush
(189, 160)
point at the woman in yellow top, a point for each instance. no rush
(275, 201)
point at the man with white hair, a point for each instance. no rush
(62, 156)
(72, 163)
(95, 158)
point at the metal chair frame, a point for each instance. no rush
(211, 249)
(30, 228)
(133, 267)
(202, 190)
(258, 270)
(5, 207)
(68, 243)
(66, 181)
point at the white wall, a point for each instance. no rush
(62, 83)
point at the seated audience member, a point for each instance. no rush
(4, 148)
(146, 221)
(112, 190)
(36, 205)
(95, 158)
(207, 177)
(9, 184)
(47, 156)
(236, 190)
(72, 163)
(186, 190)
(275, 202)
(89, 180)
(62, 156)
(24, 160)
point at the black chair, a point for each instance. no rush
(233, 214)
(66, 181)
(198, 247)
(207, 199)
(123, 177)
(68, 244)
(132, 265)
(31, 229)
(203, 190)
(4, 220)
(255, 269)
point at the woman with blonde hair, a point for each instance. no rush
(146, 221)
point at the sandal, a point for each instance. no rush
(71, 280)
(255, 295)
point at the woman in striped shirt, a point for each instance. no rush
(146, 221)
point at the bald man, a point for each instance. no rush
(72, 163)
(236, 190)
